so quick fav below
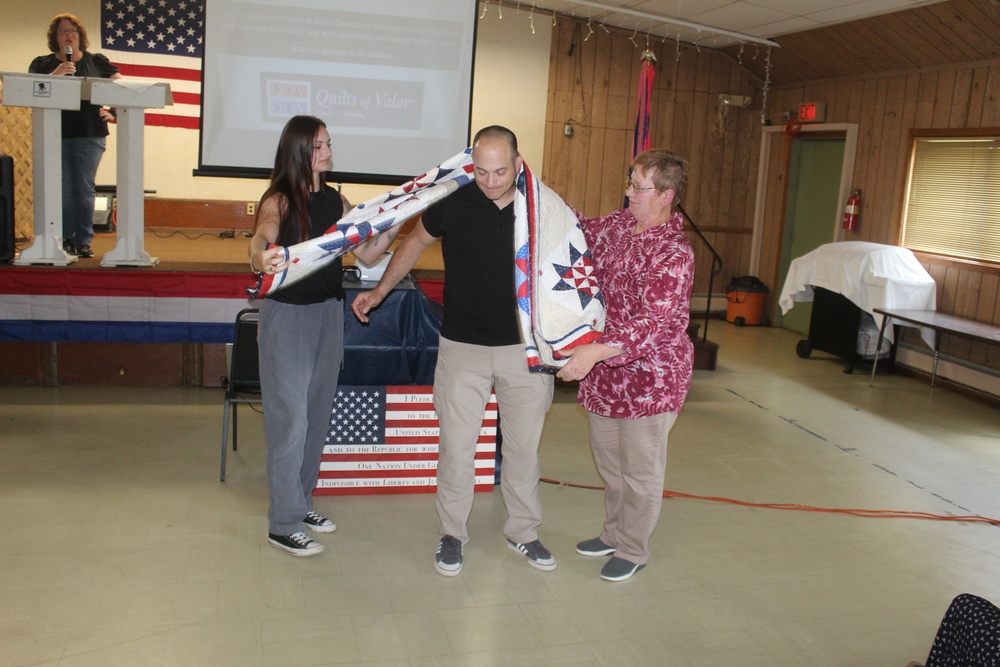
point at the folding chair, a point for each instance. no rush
(243, 385)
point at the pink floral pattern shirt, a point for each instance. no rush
(646, 282)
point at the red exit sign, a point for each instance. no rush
(812, 112)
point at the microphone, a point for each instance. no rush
(68, 49)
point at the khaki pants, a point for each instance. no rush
(631, 455)
(462, 381)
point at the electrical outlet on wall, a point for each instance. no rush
(251, 208)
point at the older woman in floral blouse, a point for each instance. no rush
(635, 377)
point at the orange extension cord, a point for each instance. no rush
(871, 514)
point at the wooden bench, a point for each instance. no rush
(940, 323)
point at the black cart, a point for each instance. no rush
(834, 327)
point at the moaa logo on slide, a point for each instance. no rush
(284, 98)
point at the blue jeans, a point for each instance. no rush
(80, 159)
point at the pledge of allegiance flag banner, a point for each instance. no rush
(158, 41)
(385, 440)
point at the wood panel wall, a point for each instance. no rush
(888, 109)
(594, 84)
(593, 80)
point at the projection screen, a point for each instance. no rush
(392, 80)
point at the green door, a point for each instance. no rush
(810, 213)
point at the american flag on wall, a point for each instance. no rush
(159, 41)
(385, 440)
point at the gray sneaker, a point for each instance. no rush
(537, 555)
(448, 559)
(619, 569)
(594, 547)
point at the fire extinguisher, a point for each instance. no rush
(852, 210)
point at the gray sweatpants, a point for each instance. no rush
(301, 350)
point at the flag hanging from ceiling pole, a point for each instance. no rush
(642, 140)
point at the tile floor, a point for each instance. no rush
(121, 547)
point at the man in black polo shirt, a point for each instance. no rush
(480, 349)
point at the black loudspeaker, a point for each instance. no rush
(6, 208)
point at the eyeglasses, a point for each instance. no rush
(630, 184)
(65, 31)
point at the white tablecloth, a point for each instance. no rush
(871, 275)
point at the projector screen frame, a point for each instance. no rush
(373, 177)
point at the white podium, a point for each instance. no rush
(131, 99)
(47, 96)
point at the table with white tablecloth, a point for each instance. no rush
(870, 275)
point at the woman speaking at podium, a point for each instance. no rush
(84, 132)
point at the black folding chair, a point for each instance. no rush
(243, 384)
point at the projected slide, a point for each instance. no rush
(392, 80)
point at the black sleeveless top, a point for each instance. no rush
(325, 208)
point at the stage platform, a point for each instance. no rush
(160, 325)
(212, 251)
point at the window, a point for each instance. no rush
(952, 204)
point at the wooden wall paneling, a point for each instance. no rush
(958, 115)
(977, 96)
(868, 133)
(562, 70)
(966, 305)
(838, 102)
(938, 272)
(831, 50)
(988, 310)
(785, 66)
(925, 100)
(885, 48)
(127, 364)
(579, 160)
(989, 299)
(886, 184)
(983, 17)
(601, 77)
(686, 70)
(899, 34)
(699, 161)
(593, 62)
(967, 292)
(967, 42)
(923, 23)
(869, 97)
(900, 167)
(774, 212)
(991, 104)
(615, 170)
(680, 140)
(943, 96)
(727, 141)
(949, 288)
(24, 363)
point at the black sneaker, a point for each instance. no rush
(84, 252)
(594, 547)
(448, 559)
(538, 556)
(318, 523)
(69, 248)
(297, 544)
(619, 569)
